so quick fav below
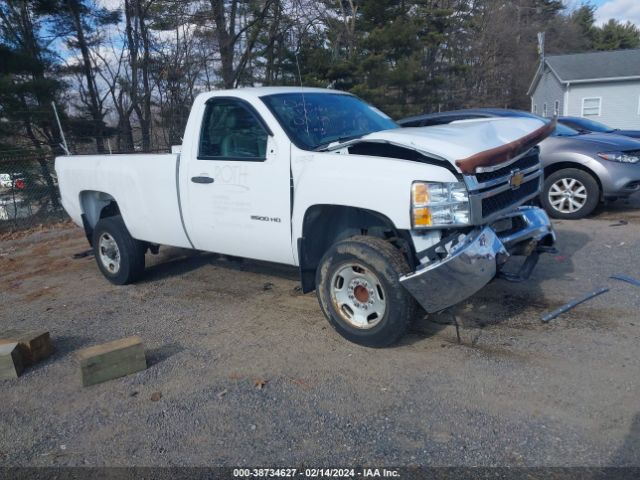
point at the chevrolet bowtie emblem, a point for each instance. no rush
(515, 180)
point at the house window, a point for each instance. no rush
(535, 108)
(591, 107)
(544, 109)
(556, 108)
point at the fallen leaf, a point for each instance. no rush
(155, 396)
(260, 383)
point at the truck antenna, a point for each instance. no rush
(304, 104)
(64, 141)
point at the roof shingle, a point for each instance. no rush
(592, 65)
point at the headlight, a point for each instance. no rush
(438, 204)
(622, 157)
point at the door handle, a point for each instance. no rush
(202, 179)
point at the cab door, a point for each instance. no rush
(238, 193)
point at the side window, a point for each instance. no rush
(231, 131)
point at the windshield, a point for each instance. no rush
(564, 131)
(593, 126)
(314, 120)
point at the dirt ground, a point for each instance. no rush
(515, 392)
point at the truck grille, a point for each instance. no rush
(492, 194)
(528, 161)
(503, 200)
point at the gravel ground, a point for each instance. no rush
(515, 392)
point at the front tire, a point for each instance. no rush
(119, 256)
(570, 194)
(358, 288)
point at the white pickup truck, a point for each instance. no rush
(380, 220)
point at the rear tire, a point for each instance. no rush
(119, 256)
(359, 291)
(570, 194)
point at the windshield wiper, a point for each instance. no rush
(344, 139)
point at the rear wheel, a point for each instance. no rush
(360, 293)
(119, 256)
(570, 194)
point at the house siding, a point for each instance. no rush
(619, 105)
(549, 90)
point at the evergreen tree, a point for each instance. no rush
(614, 35)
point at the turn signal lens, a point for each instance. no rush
(420, 194)
(421, 217)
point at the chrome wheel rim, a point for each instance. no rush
(567, 195)
(358, 296)
(109, 253)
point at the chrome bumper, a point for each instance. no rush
(475, 261)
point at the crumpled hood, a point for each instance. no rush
(459, 140)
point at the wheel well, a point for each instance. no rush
(96, 205)
(554, 167)
(324, 225)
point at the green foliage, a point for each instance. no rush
(26, 90)
(614, 35)
(391, 63)
(584, 19)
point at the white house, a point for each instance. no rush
(602, 86)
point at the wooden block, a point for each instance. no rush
(11, 364)
(35, 345)
(111, 360)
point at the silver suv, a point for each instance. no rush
(580, 169)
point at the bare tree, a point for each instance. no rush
(138, 37)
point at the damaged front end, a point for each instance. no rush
(499, 181)
(461, 264)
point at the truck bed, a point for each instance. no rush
(144, 186)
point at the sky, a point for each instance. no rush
(621, 10)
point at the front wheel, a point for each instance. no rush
(119, 256)
(359, 291)
(570, 194)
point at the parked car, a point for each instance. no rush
(580, 170)
(586, 125)
(16, 180)
(379, 219)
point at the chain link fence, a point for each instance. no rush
(29, 193)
